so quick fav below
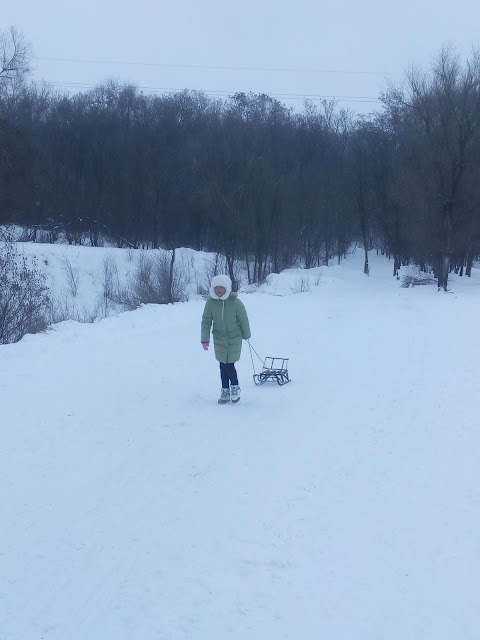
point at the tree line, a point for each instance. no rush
(248, 177)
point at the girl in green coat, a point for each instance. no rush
(230, 327)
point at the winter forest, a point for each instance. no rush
(248, 177)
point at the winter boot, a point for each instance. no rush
(235, 389)
(225, 397)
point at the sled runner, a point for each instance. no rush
(275, 369)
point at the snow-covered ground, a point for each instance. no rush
(344, 506)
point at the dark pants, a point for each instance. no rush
(228, 374)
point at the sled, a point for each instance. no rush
(275, 369)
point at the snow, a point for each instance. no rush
(342, 505)
(88, 266)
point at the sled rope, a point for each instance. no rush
(251, 356)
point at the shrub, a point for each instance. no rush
(24, 296)
(157, 279)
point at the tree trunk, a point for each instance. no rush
(230, 262)
(444, 268)
(170, 278)
(468, 270)
(397, 263)
(363, 225)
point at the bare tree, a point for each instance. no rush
(362, 151)
(15, 55)
(445, 117)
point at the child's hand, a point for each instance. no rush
(205, 345)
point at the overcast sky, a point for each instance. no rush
(345, 48)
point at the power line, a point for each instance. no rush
(223, 67)
(225, 92)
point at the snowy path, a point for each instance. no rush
(344, 505)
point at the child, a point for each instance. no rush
(230, 326)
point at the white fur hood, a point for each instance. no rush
(221, 280)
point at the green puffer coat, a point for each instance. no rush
(230, 327)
